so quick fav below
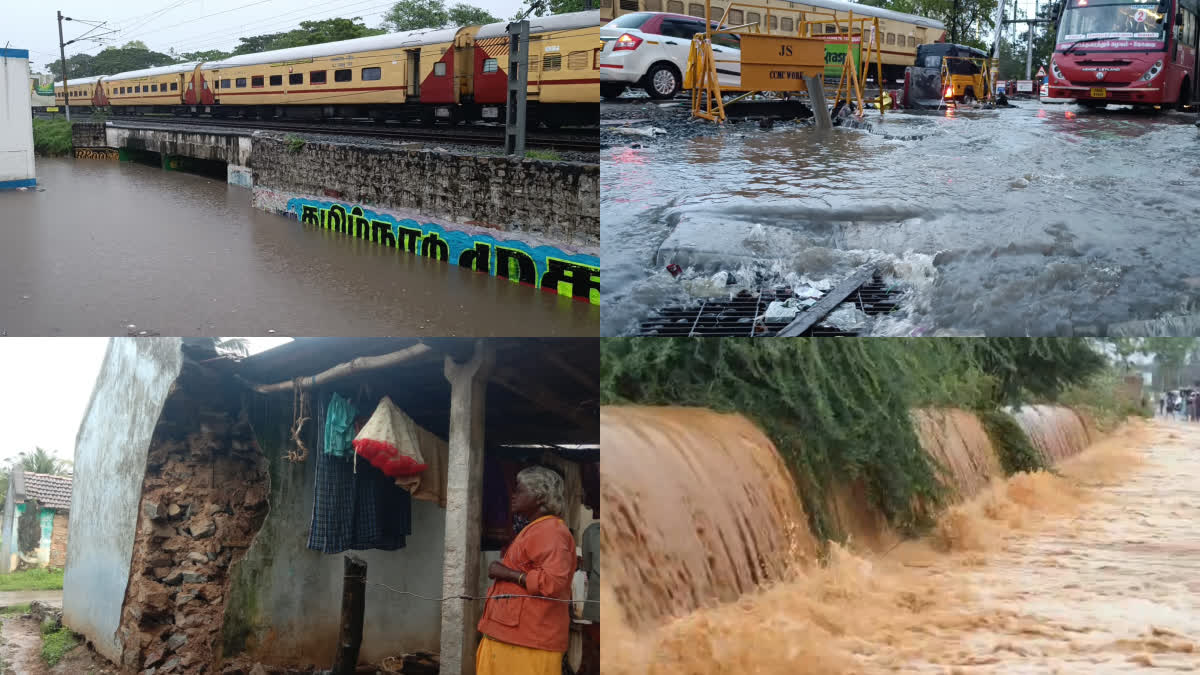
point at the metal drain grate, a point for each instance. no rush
(735, 317)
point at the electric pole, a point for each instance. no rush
(62, 52)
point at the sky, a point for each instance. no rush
(50, 382)
(186, 25)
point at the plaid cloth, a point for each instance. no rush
(359, 511)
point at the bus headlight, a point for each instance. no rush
(1153, 72)
(1054, 69)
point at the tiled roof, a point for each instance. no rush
(52, 492)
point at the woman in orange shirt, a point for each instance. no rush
(527, 635)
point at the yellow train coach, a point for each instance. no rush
(451, 74)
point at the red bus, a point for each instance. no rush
(1128, 52)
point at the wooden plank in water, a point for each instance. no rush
(828, 303)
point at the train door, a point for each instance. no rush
(413, 73)
(464, 65)
(537, 63)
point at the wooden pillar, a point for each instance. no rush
(354, 603)
(464, 504)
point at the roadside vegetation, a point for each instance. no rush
(32, 580)
(840, 410)
(51, 137)
(15, 610)
(56, 643)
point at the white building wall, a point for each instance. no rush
(16, 120)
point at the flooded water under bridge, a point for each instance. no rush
(107, 246)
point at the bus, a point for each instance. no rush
(1128, 52)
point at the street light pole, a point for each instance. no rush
(62, 52)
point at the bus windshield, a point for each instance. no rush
(1123, 24)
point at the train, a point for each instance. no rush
(448, 75)
(900, 33)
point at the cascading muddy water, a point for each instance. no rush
(713, 568)
(1057, 432)
(701, 509)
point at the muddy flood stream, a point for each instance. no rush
(1035, 220)
(1095, 569)
(107, 245)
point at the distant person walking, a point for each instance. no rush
(1162, 404)
(1172, 401)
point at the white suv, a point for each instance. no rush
(650, 50)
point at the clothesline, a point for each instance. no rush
(470, 597)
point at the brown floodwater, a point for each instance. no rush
(1092, 568)
(106, 245)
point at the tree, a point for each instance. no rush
(40, 461)
(544, 7)
(204, 55)
(130, 56)
(968, 22)
(462, 14)
(1042, 367)
(309, 33)
(416, 14)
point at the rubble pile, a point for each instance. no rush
(203, 501)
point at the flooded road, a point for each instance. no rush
(107, 245)
(1034, 220)
(1093, 570)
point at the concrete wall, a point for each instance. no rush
(8, 545)
(560, 200)
(285, 600)
(89, 135)
(16, 120)
(110, 450)
(225, 147)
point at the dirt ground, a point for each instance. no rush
(21, 653)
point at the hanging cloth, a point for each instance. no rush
(355, 507)
(339, 426)
(389, 442)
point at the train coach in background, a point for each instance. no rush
(82, 92)
(452, 75)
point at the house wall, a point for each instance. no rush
(58, 540)
(110, 450)
(285, 600)
(16, 131)
(8, 545)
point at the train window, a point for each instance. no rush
(439, 69)
(256, 80)
(137, 89)
(774, 21)
(653, 5)
(154, 87)
(629, 5)
(735, 17)
(551, 62)
(343, 75)
(577, 61)
(316, 77)
(695, 9)
(491, 66)
(276, 80)
(675, 6)
(371, 74)
(891, 38)
(752, 17)
(296, 78)
(830, 28)
(223, 84)
(912, 42)
(786, 24)
(240, 83)
(174, 86)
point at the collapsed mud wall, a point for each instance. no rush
(700, 508)
(1057, 432)
(203, 500)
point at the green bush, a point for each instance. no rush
(51, 137)
(1104, 398)
(55, 645)
(14, 610)
(1012, 444)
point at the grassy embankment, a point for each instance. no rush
(32, 580)
(840, 410)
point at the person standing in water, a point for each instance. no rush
(528, 634)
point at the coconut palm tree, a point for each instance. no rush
(41, 461)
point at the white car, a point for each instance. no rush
(650, 50)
